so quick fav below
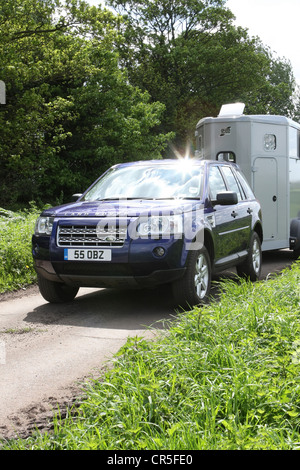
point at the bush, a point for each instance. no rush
(16, 266)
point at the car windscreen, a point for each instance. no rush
(148, 182)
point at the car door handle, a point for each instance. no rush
(234, 214)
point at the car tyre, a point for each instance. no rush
(56, 292)
(251, 267)
(194, 287)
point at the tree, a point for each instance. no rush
(188, 55)
(71, 111)
(278, 93)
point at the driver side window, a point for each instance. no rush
(232, 182)
(216, 182)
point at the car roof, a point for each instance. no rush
(173, 162)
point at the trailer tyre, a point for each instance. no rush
(251, 267)
(295, 236)
(56, 292)
(296, 253)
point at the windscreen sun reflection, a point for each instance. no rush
(185, 163)
(179, 178)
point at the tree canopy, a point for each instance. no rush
(71, 111)
(188, 55)
(87, 87)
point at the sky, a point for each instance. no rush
(276, 22)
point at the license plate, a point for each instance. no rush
(87, 255)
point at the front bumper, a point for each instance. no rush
(133, 265)
(109, 279)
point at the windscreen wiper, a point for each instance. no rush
(117, 198)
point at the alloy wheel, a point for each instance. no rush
(201, 277)
(256, 256)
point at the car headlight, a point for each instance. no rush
(155, 226)
(44, 226)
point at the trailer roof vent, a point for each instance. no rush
(233, 109)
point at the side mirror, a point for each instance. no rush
(227, 198)
(75, 197)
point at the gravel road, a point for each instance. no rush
(48, 351)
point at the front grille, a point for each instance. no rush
(91, 235)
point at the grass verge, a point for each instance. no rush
(16, 267)
(226, 376)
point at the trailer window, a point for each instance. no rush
(199, 145)
(270, 142)
(226, 157)
(294, 141)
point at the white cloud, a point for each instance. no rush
(276, 22)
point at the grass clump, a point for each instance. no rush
(16, 266)
(226, 376)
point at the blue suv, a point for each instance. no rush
(148, 223)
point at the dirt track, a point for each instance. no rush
(48, 351)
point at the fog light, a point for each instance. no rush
(159, 251)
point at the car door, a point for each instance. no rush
(225, 225)
(241, 212)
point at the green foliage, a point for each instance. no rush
(225, 376)
(16, 267)
(86, 88)
(71, 111)
(194, 60)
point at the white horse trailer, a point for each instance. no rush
(267, 149)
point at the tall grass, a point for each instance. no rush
(226, 376)
(16, 267)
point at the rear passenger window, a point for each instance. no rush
(245, 185)
(232, 182)
(216, 182)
